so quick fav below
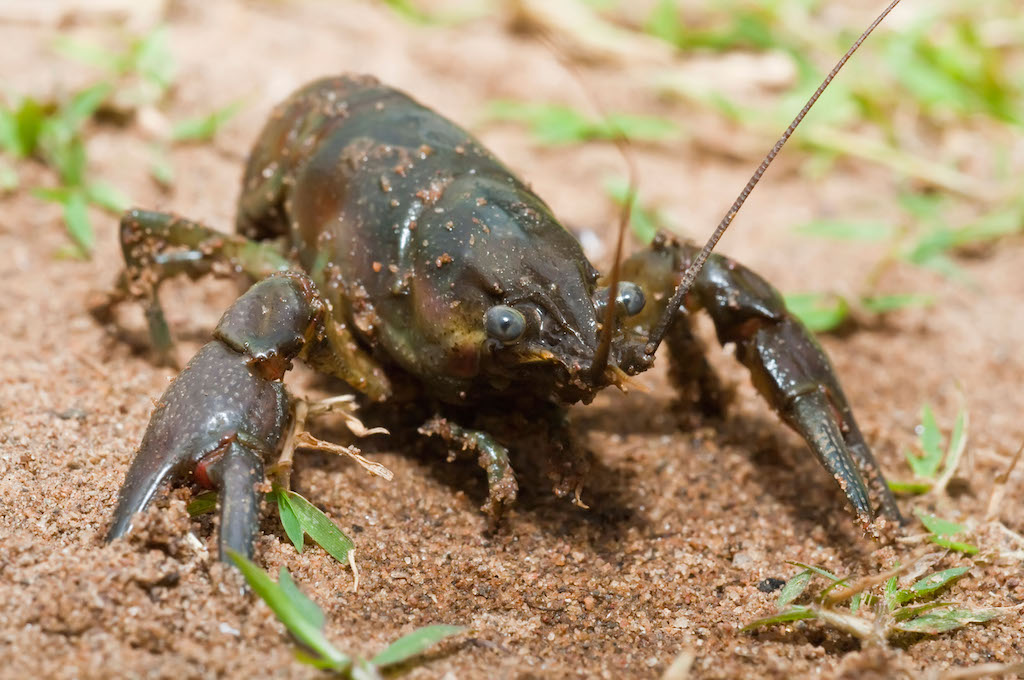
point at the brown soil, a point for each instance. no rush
(684, 523)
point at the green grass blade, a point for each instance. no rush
(202, 504)
(794, 588)
(320, 528)
(204, 128)
(890, 591)
(791, 614)
(880, 304)
(938, 526)
(414, 643)
(846, 230)
(820, 312)
(956, 438)
(84, 104)
(76, 220)
(943, 622)
(9, 179)
(294, 616)
(88, 53)
(909, 487)
(24, 127)
(904, 613)
(930, 584)
(643, 221)
(290, 522)
(306, 607)
(151, 58)
(930, 440)
(959, 546)
(817, 570)
(160, 168)
(108, 197)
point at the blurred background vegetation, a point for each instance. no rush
(936, 98)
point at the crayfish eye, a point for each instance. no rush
(630, 298)
(504, 324)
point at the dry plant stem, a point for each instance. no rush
(985, 670)
(335, 404)
(307, 441)
(282, 469)
(355, 569)
(995, 501)
(862, 629)
(841, 594)
(681, 666)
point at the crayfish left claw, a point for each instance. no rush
(228, 410)
(810, 415)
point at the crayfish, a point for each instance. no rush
(393, 251)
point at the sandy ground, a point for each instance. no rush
(684, 522)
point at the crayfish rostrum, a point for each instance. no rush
(391, 248)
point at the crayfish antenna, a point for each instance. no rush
(621, 141)
(694, 267)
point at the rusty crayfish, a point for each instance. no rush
(393, 251)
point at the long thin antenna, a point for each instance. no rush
(658, 332)
(600, 361)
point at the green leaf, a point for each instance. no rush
(555, 124)
(817, 570)
(939, 527)
(76, 219)
(307, 609)
(880, 304)
(890, 592)
(88, 53)
(930, 584)
(959, 431)
(930, 440)
(320, 528)
(644, 221)
(664, 23)
(959, 546)
(289, 521)
(414, 643)
(820, 312)
(791, 614)
(204, 128)
(202, 504)
(152, 59)
(108, 197)
(794, 588)
(909, 487)
(9, 179)
(942, 622)
(636, 127)
(22, 127)
(160, 168)
(846, 230)
(294, 614)
(84, 104)
(904, 613)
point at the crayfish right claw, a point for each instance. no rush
(228, 410)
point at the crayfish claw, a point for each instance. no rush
(228, 410)
(238, 474)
